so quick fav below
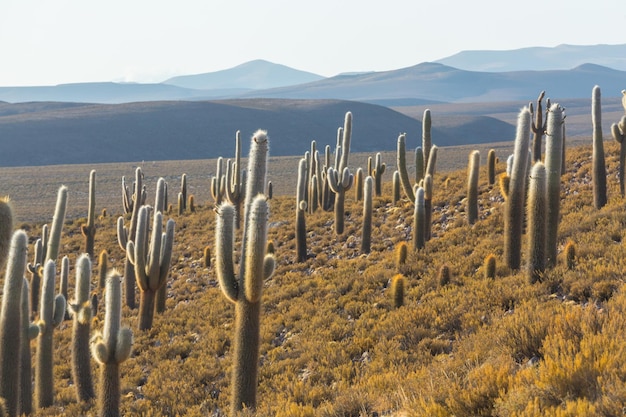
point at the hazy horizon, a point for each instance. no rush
(69, 41)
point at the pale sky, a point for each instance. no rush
(48, 42)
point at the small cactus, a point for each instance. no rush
(103, 266)
(491, 167)
(402, 168)
(207, 257)
(366, 233)
(472, 187)
(110, 348)
(401, 254)
(489, 266)
(183, 192)
(398, 283)
(570, 255)
(598, 172)
(378, 171)
(444, 275)
(395, 187)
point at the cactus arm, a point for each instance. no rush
(224, 242)
(255, 250)
(153, 271)
(167, 246)
(426, 135)
(57, 224)
(402, 169)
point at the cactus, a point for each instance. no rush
(181, 204)
(618, 130)
(80, 309)
(89, 230)
(395, 187)
(151, 261)
(313, 195)
(538, 126)
(398, 283)
(491, 167)
(183, 192)
(419, 164)
(51, 313)
(472, 187)
(103, 266)
(235, 182)
(570, 254)
(537, 221)
(401, 254)
(598, 172)
(270, 190)
(28, 331)
(10, 322)
(554, 161)
(301, 206)
(489, 266)
(432, 161)
(378, 171)
(35, 269)
(191, 204)
(63, 282)
(366, 231)
(218, 183)
(505, 183)
(402, 169)
(427, 142)
(624, 100)
(358, 184)
(6, 229)
(339, 178)
(514, 214)
(428, 206)
(245, 289)
(444, 275)
(110, 348)
(419, 220)
(57, 225)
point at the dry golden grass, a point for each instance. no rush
(332, 342)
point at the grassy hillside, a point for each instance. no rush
(332, 342)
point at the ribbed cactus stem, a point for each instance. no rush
(6, 229)
(419, 220)
(10, 322)
(491, 167)
(183, 192)
(420, 164)
(427, 142)
(218, 183)
(89, 230)
(554, 160)
(235, 181)
(51, 313)
(111, 348)
(366, 231)
(537, 205)
(395, 187)
(428, 206)
(432, 161)
(80, 308)
(64, 281)
(402, 169)
(28, 331)
(159, 200)
(345, 144)
(618, 130)
(57, 224)
(301, 207)
(472, 187)
(358, 184)
(514, 207)
(538, 127)
(598, 170)
(379, 170)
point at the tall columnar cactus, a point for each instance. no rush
(395, 187)
(553, 164)
(472, 187)
(420, 164)
(52, 311)
(301, 207)
(57, 225)
(151, 261)
(35, 269)
(427, 141)
(64, 281)
(537, 205)
(28, 331)
(235, 181)
(6, 229)
(428, 206)
(598, 170)
(89, 230)
(110, 348)
(10, 322)
(618, 130)
(339, 178)
(244, 289)
(378, 171)
(218, 182)
(514, 207)
(402, 169)
(366, 231)
(183, 191)
(123, 237)
(491, 167)
(135, 197)
(419, 220)
(80, 309)
(538, 126)
(358, 184)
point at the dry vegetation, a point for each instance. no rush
(332, 343)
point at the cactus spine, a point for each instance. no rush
(514, 207)
(51, 313)
(110, 348)
(472, 187)
(491, 167)
(618, 130)
(57, 224)
(554, 161)
(301, 207)
(419, 220)
(245, 289)
(151, 261)
(378, 171)
(80, 309)
(366, 231)
(537, 206)
(598, 163)
(10, 322)
(538, 126)
(89, 230)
